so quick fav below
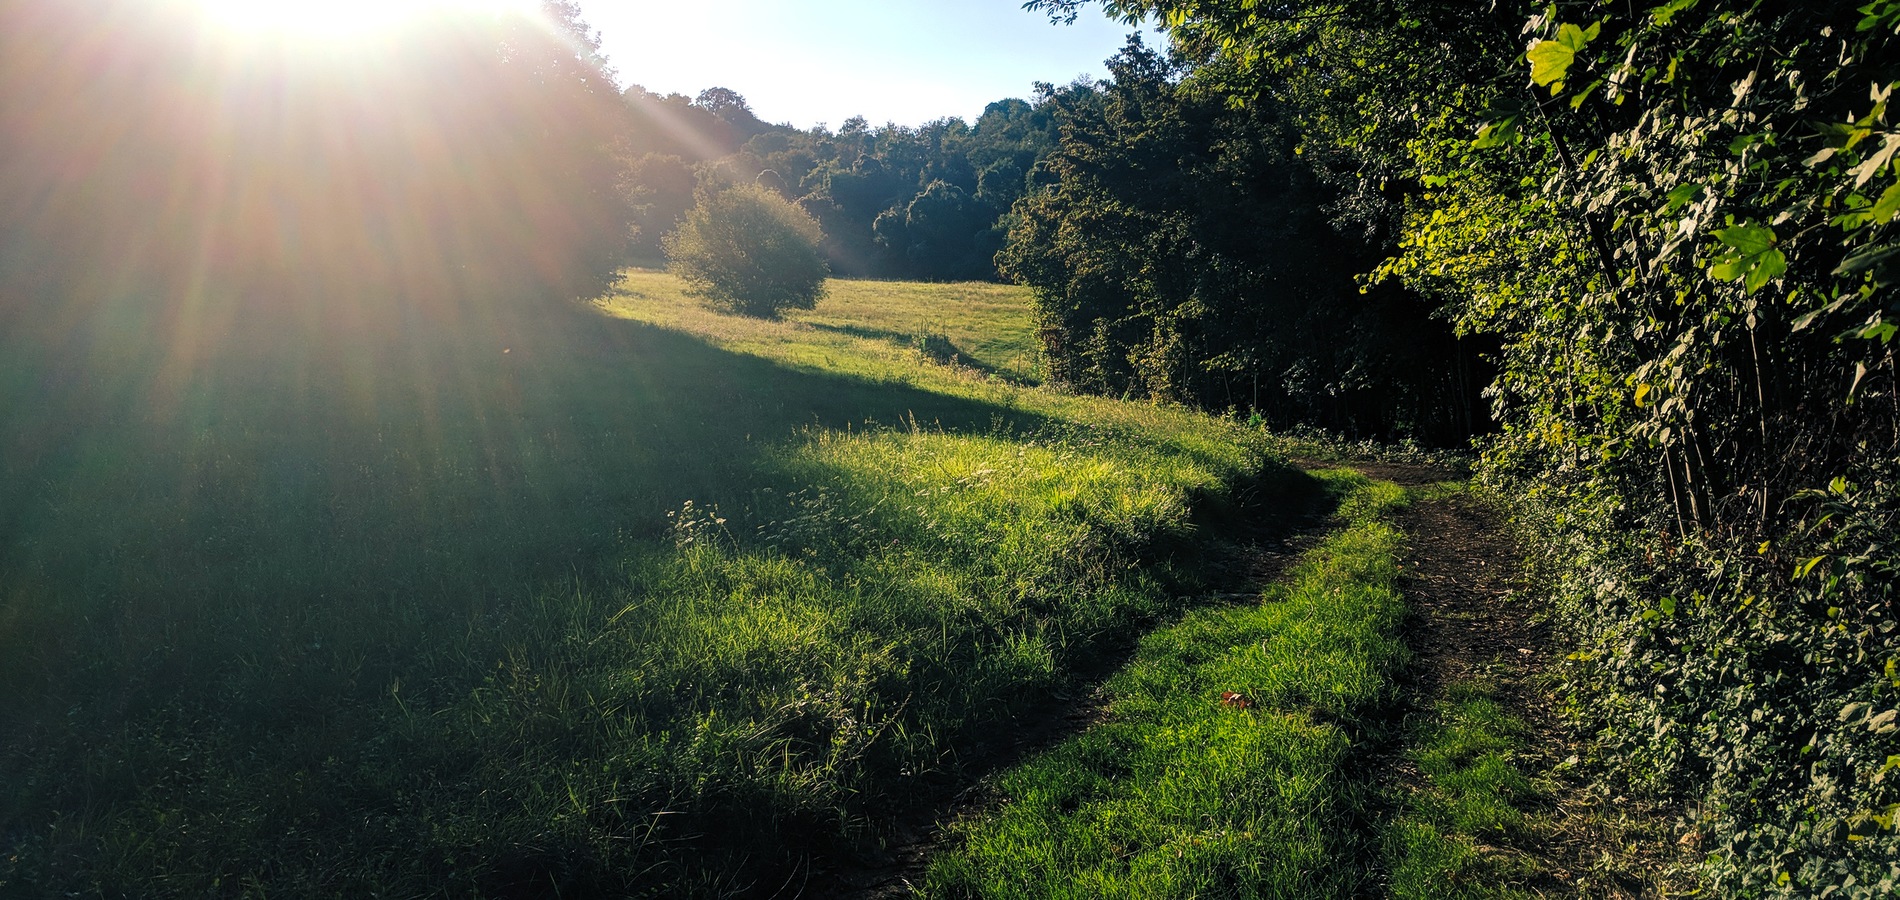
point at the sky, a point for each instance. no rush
(810, 62)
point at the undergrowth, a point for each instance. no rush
(1757, 678)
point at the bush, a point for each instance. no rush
(749, 251)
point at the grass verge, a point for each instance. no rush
(1467, 798)
(1228, 765)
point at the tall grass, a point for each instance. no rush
(651, 603)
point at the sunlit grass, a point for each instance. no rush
(594, 606)
(1471, 791)
(1227, 767)
(868, 328)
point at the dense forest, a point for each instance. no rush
(895, 201)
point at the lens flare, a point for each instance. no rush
(338, 19)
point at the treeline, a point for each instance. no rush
(928, 202)
(1677, 222)
(1176, 243)
(1179, 251)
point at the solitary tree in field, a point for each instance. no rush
(748, 250)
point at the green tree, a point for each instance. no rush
(1180, 253)
(748, 250)
(1681, 222)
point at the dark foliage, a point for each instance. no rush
(1180, 253)
(925, 203)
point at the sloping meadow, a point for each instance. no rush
(625, 610)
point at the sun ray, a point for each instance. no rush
(338, 19)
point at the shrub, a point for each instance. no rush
(748, 250)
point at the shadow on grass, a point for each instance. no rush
(189, 515)
(1236, 546)
(935, 347)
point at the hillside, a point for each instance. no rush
(580, 602)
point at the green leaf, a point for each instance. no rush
(1682, 195)
(1502, 131)
(1668, 606)
(1744, 141)
(1766, 267)
(1729, 268)
(1749, 239)
(1662, 15)
(1886, 206)
(1583, 96)
(1550, 61)
(1752, 257)
(1880, 16)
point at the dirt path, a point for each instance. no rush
(1461, 578)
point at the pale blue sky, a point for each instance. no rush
(812, 61)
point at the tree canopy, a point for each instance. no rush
(1179, 252)
(894, 201)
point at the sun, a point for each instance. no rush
(337, 19)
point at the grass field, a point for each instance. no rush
(640, 599)
(636, 601)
